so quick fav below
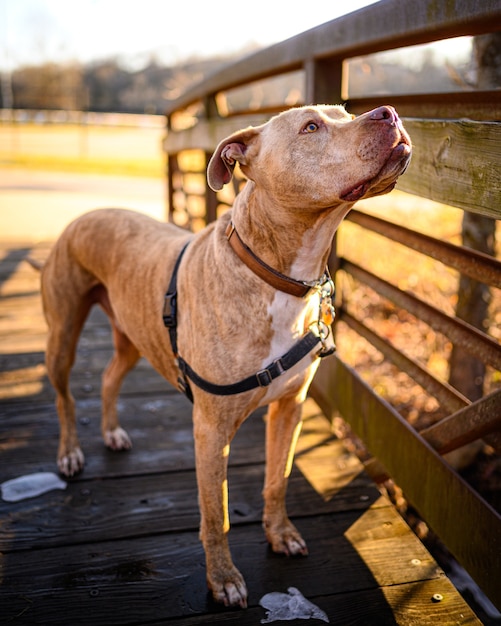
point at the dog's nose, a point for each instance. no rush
(384, 114)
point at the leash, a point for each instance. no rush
(265, 376)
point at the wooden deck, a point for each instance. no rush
(120, 544)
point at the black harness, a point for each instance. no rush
(262, 378)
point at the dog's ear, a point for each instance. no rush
(229, 151)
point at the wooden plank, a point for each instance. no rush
(94, 351)
(206, 134)
(382, 26)
(437, 492)
(473, 340)
(161, 433)
(96, 510)
(472, 422)
(120, 545)
(23, 327)
(406, 605)
(477, 265)
(163, 577)
(31, 381)
(473, 105)
(447, 395)
(160, 428)
(456, 163)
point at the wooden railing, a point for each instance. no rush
(456, 161)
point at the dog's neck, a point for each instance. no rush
(296, 243)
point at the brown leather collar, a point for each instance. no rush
(274, 278)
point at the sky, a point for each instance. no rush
(38, 31)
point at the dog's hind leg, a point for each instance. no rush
(283, 425)
(123, 360)
(65, 314)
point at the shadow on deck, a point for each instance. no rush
(120, 544)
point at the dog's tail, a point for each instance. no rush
(36, 265)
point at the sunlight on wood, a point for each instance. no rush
(21, 284)
(21, 383)
(380, 530)
(321, 457)
(23, 279)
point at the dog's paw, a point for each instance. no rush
(71, 463)
(117, 439)
(229, 589)
(287, 540)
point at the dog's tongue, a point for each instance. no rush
(356, 193)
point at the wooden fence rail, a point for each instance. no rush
(456, 161)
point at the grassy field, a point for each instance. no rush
(133, 151)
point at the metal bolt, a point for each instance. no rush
(437, 597)
(415, 562)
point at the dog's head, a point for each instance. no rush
(316, 157)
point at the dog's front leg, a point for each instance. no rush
(283, 425)
(211, 451)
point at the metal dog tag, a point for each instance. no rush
(327, 312)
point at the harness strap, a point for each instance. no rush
(170, 303)
(263, 378)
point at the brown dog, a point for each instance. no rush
(252, 296)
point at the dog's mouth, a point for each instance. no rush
(399, 155)
(356, 193)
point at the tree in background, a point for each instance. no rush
(48, 86)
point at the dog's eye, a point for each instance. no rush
(311, 127)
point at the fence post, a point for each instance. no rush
(324, 81)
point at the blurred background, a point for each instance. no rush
(84, 85)
(82, 92)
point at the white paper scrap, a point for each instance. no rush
(288, 606)
(30, 486)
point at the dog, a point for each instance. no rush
(237, 315)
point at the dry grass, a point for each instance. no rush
(429, 280)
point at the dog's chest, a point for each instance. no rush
(291, 318)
